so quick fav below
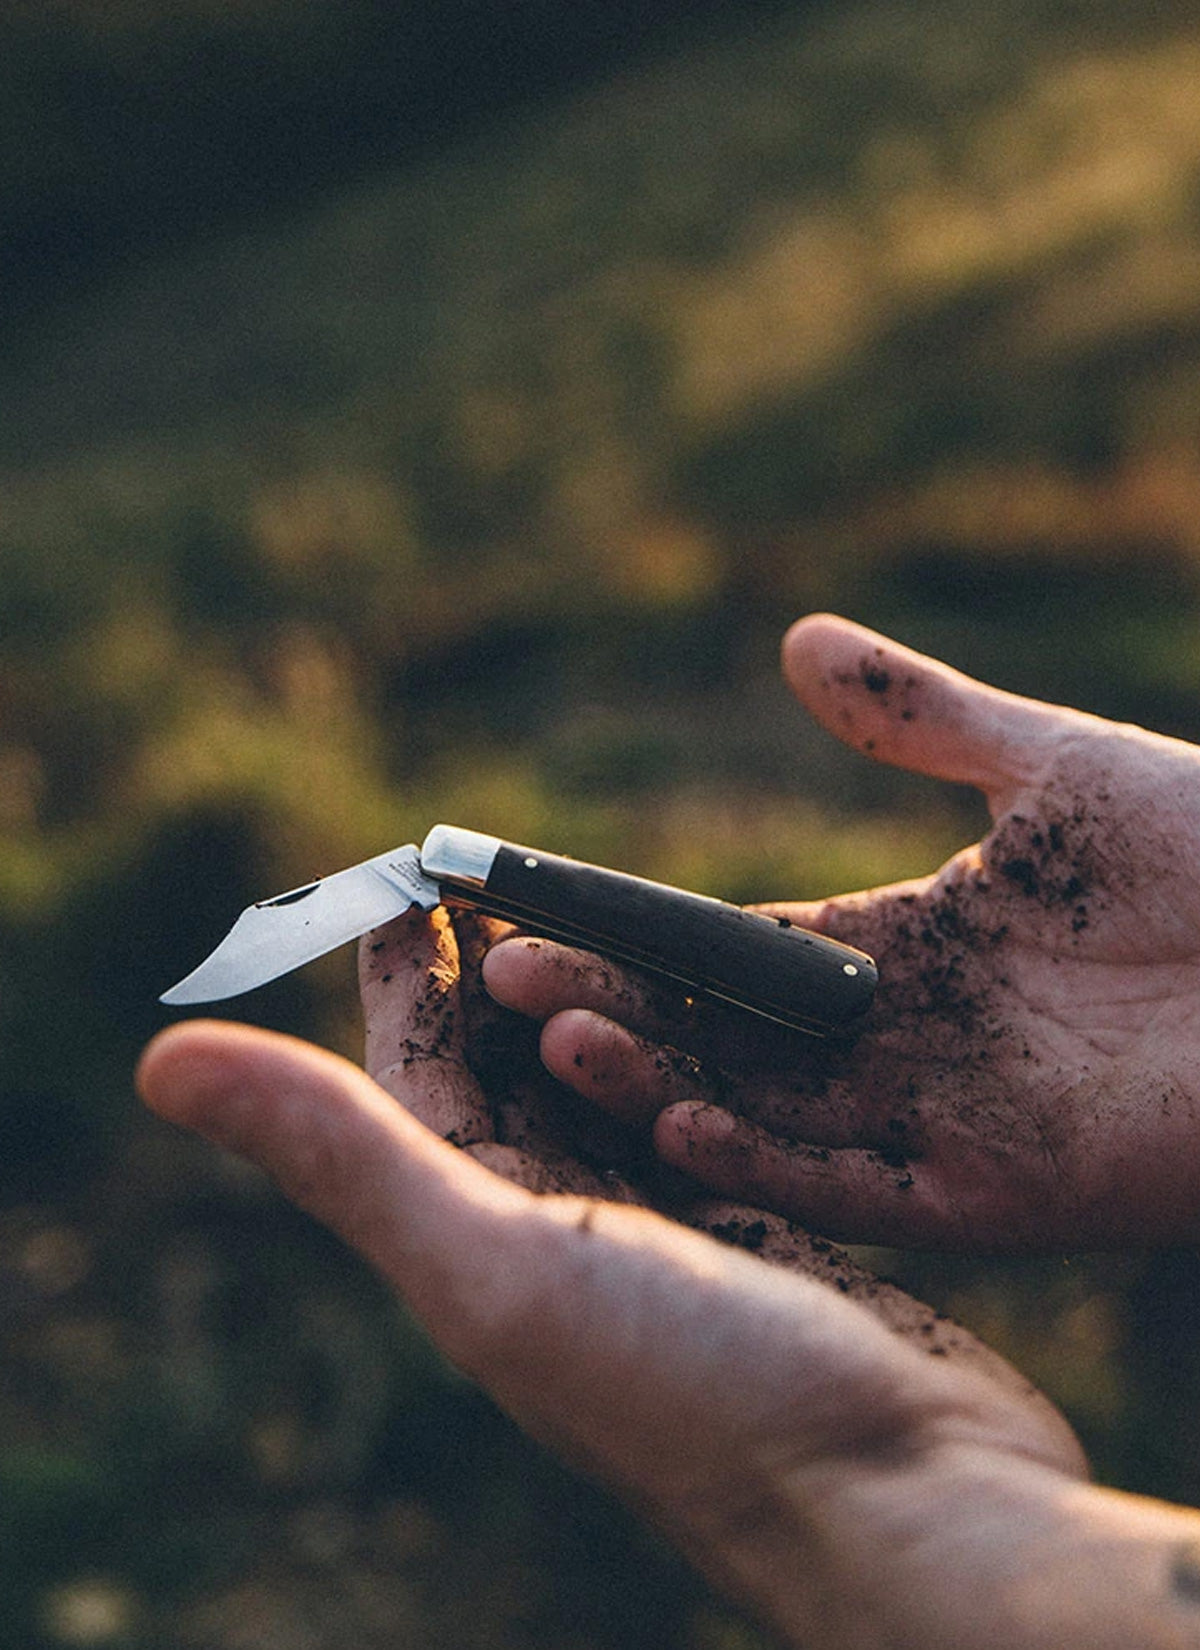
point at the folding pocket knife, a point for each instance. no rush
(761, 963)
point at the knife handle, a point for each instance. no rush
(761, 963)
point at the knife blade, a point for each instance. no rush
(760, 963)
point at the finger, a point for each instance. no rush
(538, 977)
(475, 935)
(854, 1194)
(338, 1146)
(501, 1047)
(541, 978)
(415, 1031)
(634, 1078)
(630, 1077)
(914, 712)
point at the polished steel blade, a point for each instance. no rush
(280, 934)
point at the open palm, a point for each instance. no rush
(1029, 1075)
(817, 1467)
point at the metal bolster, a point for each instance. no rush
(458, 855)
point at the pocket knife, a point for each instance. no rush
(709, 947)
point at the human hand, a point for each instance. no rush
(845, 1488)
(469, 1070)
(816, 1466)
(1029, 1075)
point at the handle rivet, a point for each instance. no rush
(531, 863)
(849, 968)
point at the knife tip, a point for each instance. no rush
(180, 996)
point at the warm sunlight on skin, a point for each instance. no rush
(1028, 1076)
(847, 1488)
(778, 1413)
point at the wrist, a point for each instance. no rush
(831, 1550)
(825, 1512)
(964, 1546)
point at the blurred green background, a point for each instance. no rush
(439, 411)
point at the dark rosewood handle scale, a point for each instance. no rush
(757, 962)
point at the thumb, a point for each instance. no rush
(421, 1212)
(914, 712)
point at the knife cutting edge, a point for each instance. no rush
(761, 963)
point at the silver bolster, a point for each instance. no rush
(460, 856)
